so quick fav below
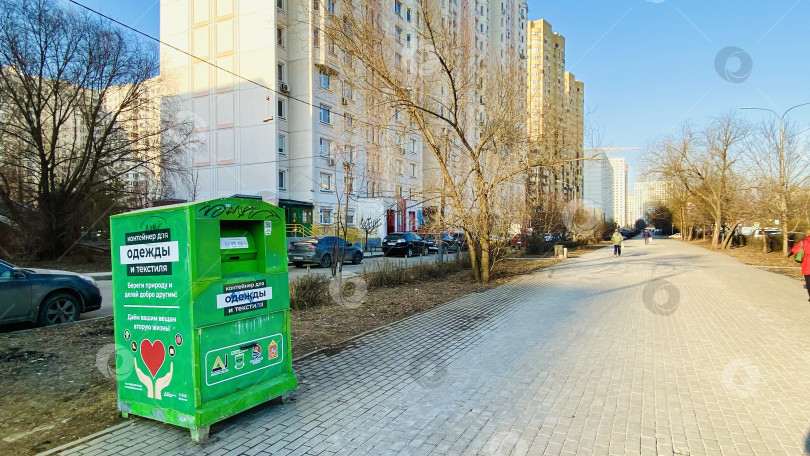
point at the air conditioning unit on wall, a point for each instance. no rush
(283, 87)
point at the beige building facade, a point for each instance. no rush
(555, 125)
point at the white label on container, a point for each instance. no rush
(158, 252)
(268, 228)
(233, 243)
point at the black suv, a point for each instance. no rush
(407, 244)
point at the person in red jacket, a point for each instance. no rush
(806, 262)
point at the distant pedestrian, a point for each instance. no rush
(804, 244)
(617, 239)
(646, 236)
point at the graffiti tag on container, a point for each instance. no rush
(241, 211)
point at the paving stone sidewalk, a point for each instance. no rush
(668, 350)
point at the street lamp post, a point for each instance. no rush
(784, 174)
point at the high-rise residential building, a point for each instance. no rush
(632, 210)
(555, 117)
(286, 127)
(598, 185)
(648, 195)
(619, 166)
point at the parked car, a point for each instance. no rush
(404, 243)
(520, 241)
(449, 243)
(769, 231)
(43, 296)
(323, 250)
(461, 241)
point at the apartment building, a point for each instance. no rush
(648, 195)
(620, 213)
(292, 127)
(598, 184)
(555, 123)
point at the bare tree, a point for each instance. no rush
(705, 166)
(473, 127)
(782, 169)
(75, 92)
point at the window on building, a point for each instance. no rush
(323, 80)
(316, 38)
(282, 144)
(349, 152)
(280, 4)
(398, 8)
(349, 121)
(280, 36)
(398, 34)
(282, 109)
(408, 15)
(280, 70)
(325, 115)
(325, 147)
(348, 90)
(413, 146)
(413, 170)
(348, 183)
(326, 216)
(350, 218)
(282, 179)
(330, 6)
(326, 182)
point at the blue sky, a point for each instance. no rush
(649, 65)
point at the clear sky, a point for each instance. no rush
(649, 65)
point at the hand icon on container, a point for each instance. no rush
(156, 391)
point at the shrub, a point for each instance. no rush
(308, 291)
(537, 245)
(392, 273)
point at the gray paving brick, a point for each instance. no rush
(575, 360)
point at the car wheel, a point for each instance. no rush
(424, 250)
(59, 308)
(298, 264)
(409, 253)
(358, 258)
(326, 261)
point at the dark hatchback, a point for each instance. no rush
(44, 297)
(407, 244)
(323, 250)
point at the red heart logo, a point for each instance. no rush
(153, 355)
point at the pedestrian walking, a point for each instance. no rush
(804, 248)
(646, 236)
(617, 239)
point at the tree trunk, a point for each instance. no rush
(485, 260)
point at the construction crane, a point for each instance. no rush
(614, 149)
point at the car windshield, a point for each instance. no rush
(394, 236)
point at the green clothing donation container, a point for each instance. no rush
(202, 310)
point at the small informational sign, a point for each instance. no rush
(268, 228)
(233, 243)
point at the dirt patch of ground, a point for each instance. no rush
(79, 259)
(771, 261)
(52, 392)
(55, 389)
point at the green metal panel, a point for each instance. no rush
(201, 301)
